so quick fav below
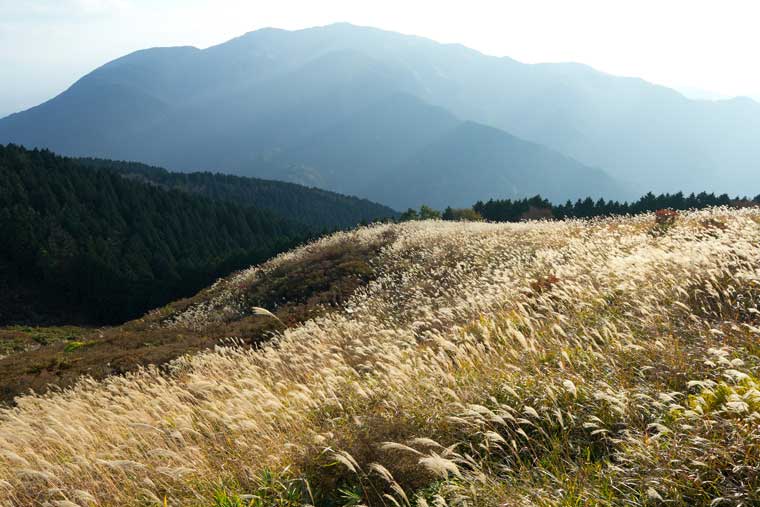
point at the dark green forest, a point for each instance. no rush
(508, 210)
(319, 209)
(540, 208)
(87, 245)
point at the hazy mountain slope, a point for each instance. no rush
(404, 152)
(238, 130)
(318, 209)
(639, 132)
(92, 117)
(363, 147)
(472, 160)
(140, 108)
(262, 103)
(296, 106)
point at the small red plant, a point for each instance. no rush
(544, 283)
(665, 217)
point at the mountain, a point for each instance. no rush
(402, 152)
(88, 245)
(700, 94)
(316, 208)
(261, 104)
(473, 160)
(339, 107)
(648, 136)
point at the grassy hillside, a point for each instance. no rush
(610, 362)
(296, 288)
(16, 339)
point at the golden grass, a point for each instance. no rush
(550, 363)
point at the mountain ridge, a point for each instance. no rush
(314, 207)
(237, 105)
(256, 125)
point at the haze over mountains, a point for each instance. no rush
(397, 119)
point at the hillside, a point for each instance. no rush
(605, 362)
(316, 208)
(85, 245)
(313, 281)
(440, 174)
(317, 107)
(260, 104)
(647, 136)
(404, 153)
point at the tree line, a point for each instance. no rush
(537, 207)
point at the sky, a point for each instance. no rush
(707, 49)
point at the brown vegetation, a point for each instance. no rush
(295, 289)
(544, 363)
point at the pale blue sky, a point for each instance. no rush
(45, 45)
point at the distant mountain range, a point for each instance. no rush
(397, 119)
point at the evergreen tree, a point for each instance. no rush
(508, 210)
(87, 244)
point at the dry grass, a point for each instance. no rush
(563, 363)
(311, 281)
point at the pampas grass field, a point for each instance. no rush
(604, 362)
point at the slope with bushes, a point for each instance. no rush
(316, 281)
(604, 362)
